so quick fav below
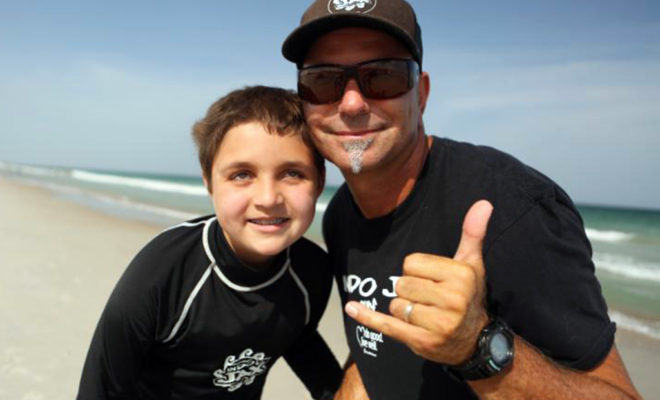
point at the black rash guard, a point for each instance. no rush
(188, 320)
(539, 274)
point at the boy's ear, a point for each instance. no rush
(206, 184)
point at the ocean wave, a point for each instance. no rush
(142, 183)
(164, 211)
(627, 267)
(30, 170)
(642, 326)
(608, 235)
(123, 201)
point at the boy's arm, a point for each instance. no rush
(309, 356)
(313, 362)
(121, 340)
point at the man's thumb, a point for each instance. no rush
(474, 230)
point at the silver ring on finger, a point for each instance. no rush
(407, 311)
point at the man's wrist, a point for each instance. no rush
(493, 354)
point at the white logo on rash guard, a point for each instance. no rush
(359, 6)
(240, 371)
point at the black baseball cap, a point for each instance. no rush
(395, 17)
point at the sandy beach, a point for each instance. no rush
(58, 263)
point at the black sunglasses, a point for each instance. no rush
(377, 79)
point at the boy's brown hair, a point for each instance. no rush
(278, 110)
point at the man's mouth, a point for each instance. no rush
(355, 133)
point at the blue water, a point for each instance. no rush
(626, 242)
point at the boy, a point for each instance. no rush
(206, 308)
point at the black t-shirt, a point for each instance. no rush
(539, 274)
(188, 320)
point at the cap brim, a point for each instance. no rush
(297, 44)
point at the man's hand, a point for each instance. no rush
(447, 297)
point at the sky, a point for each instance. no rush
(570, 87)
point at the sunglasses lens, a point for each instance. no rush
(385, 79)
(320, 85)
(378, 80)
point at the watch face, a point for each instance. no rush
(499, 348)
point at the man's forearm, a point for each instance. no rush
(533, 376)
(351, 387)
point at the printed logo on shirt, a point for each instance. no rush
(241, 370)
(368, 340)
(358, 6)
(365, 289)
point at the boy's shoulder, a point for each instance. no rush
(177, 247)
(179, 238)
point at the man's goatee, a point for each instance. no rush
(355, 150)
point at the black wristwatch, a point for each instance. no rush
(494, 353)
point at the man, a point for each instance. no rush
(442, 302)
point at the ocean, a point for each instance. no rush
(626, 242)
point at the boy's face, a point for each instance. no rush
(265, 188)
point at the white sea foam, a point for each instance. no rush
(56, 187)
(120, 201)
(627, 267)
(30, 170)
(639, 325)
(608, 235)
(125, 202)
(321, 206)
(143, 183)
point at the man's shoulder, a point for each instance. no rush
(467, 161)
(464, 173)
(471, 155)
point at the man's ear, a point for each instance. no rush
(423, 90)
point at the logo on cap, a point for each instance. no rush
(357, 6)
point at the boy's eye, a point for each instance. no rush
(292, 173)
(240, 176)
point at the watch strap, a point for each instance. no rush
(482, 365)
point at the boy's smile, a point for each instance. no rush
(265, 187)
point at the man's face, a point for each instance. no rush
(356, 131)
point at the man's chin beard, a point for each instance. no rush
(355, 149)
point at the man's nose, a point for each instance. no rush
(353, 102)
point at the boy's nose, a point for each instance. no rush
(353, 102)
(267, 194)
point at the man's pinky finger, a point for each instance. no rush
(384, 323)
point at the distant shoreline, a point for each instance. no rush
(9, 166)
